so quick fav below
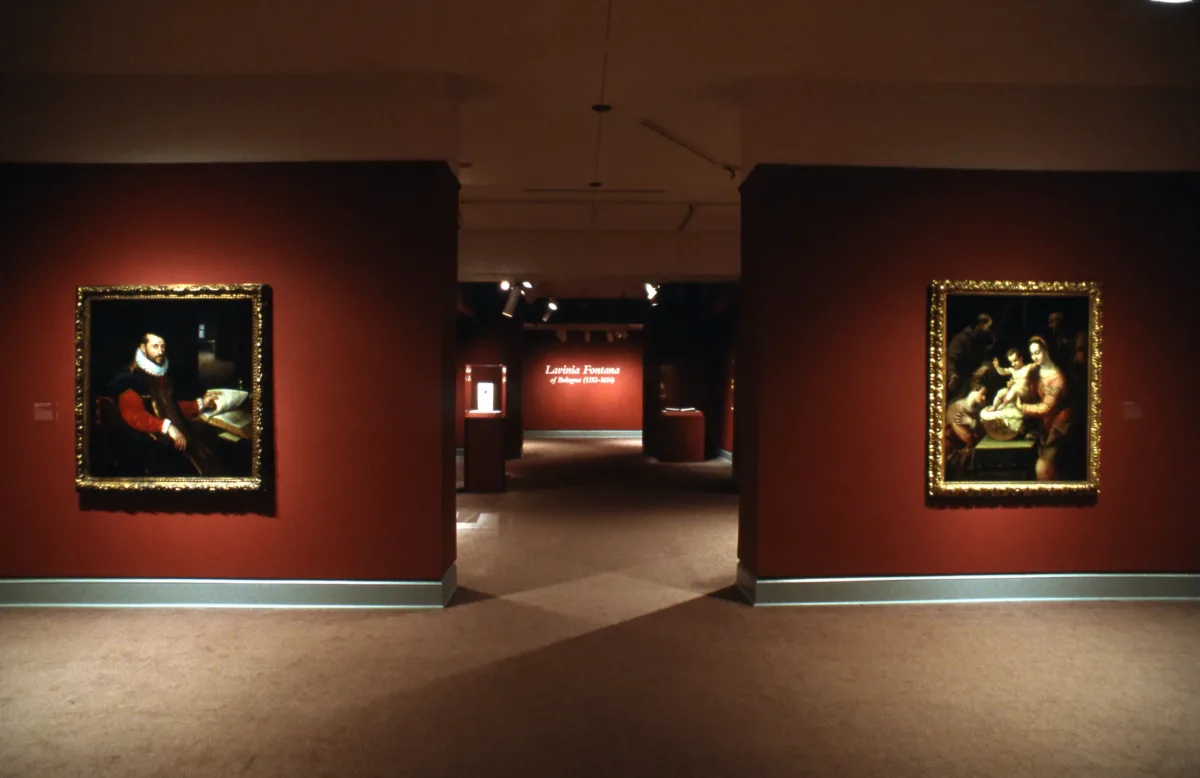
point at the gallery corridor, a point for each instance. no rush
(591, 529)
(596, 634)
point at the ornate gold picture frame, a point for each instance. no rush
(1014, 388)
(169, 388)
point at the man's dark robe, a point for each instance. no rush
(150, 454)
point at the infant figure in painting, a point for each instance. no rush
(1018, 382)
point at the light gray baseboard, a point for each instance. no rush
(224, 593)
(967, 588)
(726, 455)
(635, 434)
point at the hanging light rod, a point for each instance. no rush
(687, 217)
(654, 126)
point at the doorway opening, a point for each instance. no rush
(607, 448)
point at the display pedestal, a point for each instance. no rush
(681, 436)
(483, 453)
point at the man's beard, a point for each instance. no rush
(145, 363)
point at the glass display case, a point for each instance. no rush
(483, 428)
(487, 391)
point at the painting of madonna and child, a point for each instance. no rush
(167, 389)
(1018, 376)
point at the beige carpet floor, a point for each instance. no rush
(597, 634)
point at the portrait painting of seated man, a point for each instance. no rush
(167, 383)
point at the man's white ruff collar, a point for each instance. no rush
(145, 364)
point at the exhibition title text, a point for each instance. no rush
(588, 374)
(587, 370)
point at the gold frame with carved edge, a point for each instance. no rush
(937, 485)
(84, 481)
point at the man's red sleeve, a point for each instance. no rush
(135, 415)
(189, 408)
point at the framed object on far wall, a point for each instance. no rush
(1014, 388)
(169, 391)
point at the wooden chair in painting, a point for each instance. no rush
(107, 423)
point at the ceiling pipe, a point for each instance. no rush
(654, 126)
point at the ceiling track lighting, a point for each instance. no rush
(516, 292)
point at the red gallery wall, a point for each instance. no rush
(362, 367)
(832, 367)
(552, 403)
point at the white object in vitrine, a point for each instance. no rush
(487, 397)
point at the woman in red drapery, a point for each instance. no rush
(1051, 410)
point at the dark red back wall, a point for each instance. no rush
(363, 368)
(832, 367)
(554, 406)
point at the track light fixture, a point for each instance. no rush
(526, 284)
(510, 305)
(505, 286)
(552, 305)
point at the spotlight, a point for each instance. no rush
(608, 334)
(546, 315)
(510, 304)
(526, 284)
(652, 293)
(552, 305)
(504, 286)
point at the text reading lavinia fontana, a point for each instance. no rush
(588, 374)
